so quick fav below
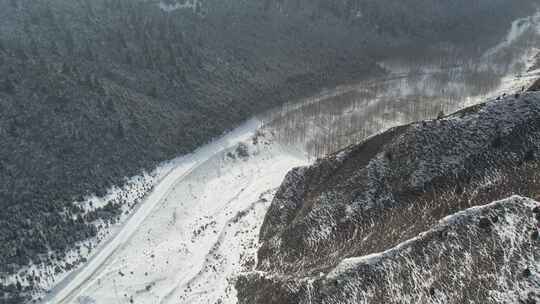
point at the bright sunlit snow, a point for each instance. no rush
(196, 230)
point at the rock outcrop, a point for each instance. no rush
(395, 219)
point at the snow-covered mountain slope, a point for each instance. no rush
(374, 196)
(65, 278)
(196, 232)
(164, 177)
(480, 255)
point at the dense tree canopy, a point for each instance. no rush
(94, 91)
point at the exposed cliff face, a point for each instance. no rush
(375, 196)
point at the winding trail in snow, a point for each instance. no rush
(67, 289)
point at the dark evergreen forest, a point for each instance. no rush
(93, 91)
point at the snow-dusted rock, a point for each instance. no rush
(327, 225)
(480, 255)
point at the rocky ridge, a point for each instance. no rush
(328, 224)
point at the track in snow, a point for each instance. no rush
(194, 231)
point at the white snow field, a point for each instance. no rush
(195, 231)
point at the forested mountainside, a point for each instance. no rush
(396, 219)
(94, 91)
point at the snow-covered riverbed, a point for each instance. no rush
(196, 229)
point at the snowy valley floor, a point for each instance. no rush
(202, 230)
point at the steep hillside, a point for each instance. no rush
(327, 225)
